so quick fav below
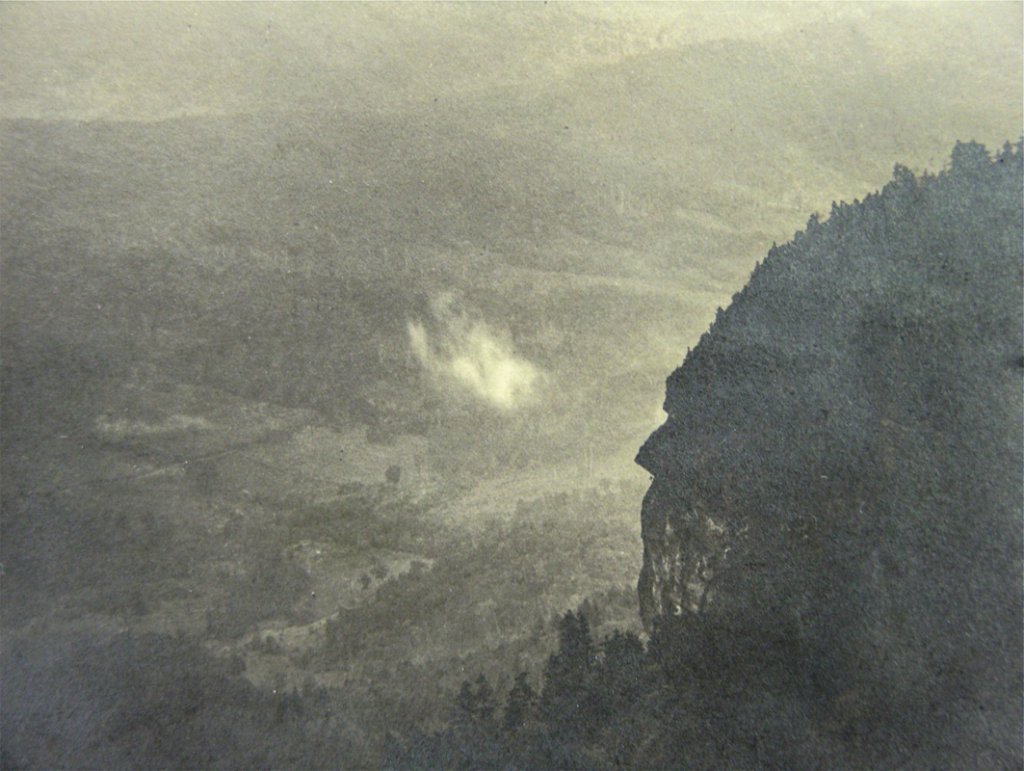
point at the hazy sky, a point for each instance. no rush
(154, 60)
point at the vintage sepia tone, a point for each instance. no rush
(519, 385)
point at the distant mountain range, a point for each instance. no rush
(285, 249)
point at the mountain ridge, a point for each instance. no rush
(838, 479)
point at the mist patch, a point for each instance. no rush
(474, 357)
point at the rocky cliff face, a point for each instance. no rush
(842, 456)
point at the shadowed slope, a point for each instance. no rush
(834, 524)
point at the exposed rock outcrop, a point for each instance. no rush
(841, 467)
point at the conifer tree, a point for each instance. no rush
(520, 704)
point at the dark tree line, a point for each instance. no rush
(586, 688)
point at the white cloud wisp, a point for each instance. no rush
(471, 356)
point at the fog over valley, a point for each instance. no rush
(330, 332)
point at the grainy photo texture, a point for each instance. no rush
(511, 385)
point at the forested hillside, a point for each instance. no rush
(329, 333)
(833, 533)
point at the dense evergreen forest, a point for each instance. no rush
(832, 573)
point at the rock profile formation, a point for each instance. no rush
(833, 533)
